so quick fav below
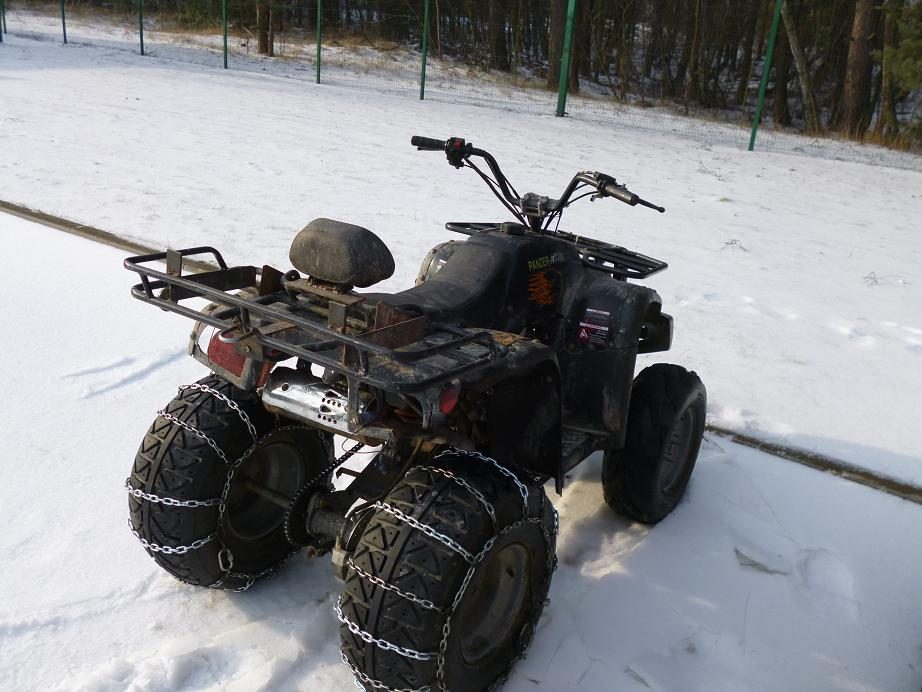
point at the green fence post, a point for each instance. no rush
(63, 22)
(2, 19)
(224, 21)
(565, 60)
(766, 68)
(141, 23)
(425, 46)
(319, 34)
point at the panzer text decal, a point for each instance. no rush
(544, 262)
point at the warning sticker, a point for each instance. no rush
(593, 328)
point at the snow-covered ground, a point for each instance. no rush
(768, 576)
(795, 283)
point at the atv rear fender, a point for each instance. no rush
(523, 421)
(520, 403)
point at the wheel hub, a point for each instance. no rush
(676, 452)
(263, 489)
(491, 614)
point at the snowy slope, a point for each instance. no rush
(768, 576)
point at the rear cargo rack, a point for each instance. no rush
(612, 259)
(253, 306)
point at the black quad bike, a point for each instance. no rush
(509, 362)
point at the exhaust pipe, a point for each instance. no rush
(307, 398)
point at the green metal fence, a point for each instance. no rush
(486, 52)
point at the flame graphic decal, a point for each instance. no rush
(540, 289)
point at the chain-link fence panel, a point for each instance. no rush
(660, 66)
(185, 30)
(373, 43)
(38, 21)
(694, 69)
(689, 68)
(490, 53)
(812, 106)
(113, 25)
(278, 37)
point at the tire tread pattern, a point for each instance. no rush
(416, 563)
(174, 462)
(659, 396)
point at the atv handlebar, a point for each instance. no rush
(538, 215)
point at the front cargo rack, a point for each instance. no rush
(612, 259)
(286, 316)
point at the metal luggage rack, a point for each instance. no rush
(263, 312)
(623, 263)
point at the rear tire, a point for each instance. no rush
(404, 585)
(646, 479)
(186, 456)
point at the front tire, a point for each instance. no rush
(214, 445)
(449, 578)
(646, 479)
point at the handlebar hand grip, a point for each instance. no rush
(620, 193)
(628, 197)
(427, 143)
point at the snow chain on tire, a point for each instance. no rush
(473, 561)
(224, 555)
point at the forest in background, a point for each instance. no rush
(848, 67)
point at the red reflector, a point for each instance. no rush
(225, 355)
(449, 397)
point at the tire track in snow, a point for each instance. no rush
(132, 377)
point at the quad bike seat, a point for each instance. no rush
(468, 290)
(341, 254)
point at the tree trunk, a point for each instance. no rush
(762, 27)
(653, 48)
(262, 28)
(499, 53)
(749, 35)
(887, 125)
(558, 24)
(837, 62)
(806, 89)
(857, 93)
(626, 50)
(781, 114)
(693, 85)
(582, 58)
(272, 21)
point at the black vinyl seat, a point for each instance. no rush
(469, 289)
